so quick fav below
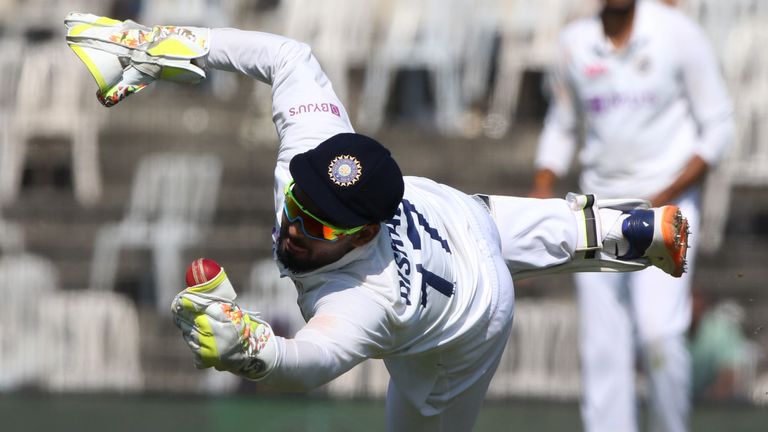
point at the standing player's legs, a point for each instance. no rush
(662, 309)
(607, 353)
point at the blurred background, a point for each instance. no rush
(102, 210)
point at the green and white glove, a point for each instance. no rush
(124, 56)
(222, 335)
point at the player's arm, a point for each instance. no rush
(693, 172)
(124, 57)
(348, 326)
(343, 333)
(558, 141)
(710, 106)
(305, 108)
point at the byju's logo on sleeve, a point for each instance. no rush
(313, 108)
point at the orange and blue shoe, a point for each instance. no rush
(659, 234)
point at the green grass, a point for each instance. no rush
(79, 413)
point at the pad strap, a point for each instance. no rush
(587, 213)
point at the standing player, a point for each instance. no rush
(647, 86)
(386, 266)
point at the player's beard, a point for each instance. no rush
(295, 265)
(290, 261)
(306, 260)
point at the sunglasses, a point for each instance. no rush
(311, 225)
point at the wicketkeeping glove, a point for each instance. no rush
(222, 335)
(219, 333)
(124, 56)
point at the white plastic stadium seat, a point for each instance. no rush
(92, 342)
(7, 11)
(173, 198)
(541, 358)
(340, 33)
(205, 13)
(10, 71)
(49, 94)
(53, 100)
(746, 163)
(420, 34)
(11, 235)
(718, 17)
(529, 30)
(47, 15)
(327, 26)
(485, 18)
(26, 281)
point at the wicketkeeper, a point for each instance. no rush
(385, 266)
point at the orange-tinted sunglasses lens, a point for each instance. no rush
(311, 226)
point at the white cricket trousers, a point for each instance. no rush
(648, 311)
(527, 233)
(459, 412)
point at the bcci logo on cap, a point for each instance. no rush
(345, 170)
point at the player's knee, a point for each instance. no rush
(660, 352)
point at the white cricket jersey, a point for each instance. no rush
(424, 294)
(649, 107)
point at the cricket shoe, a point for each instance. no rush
(658, 234)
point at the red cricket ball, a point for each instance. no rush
(202, 270)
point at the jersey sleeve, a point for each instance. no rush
(557, 143)
(348, 327)
(305, 109)
(710, 104)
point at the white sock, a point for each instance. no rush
(614, 243)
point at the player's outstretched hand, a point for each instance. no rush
(219, 333)
(222, 335)
(124, 57)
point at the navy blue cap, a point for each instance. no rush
(351, 178)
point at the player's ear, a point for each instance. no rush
(365, 235)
